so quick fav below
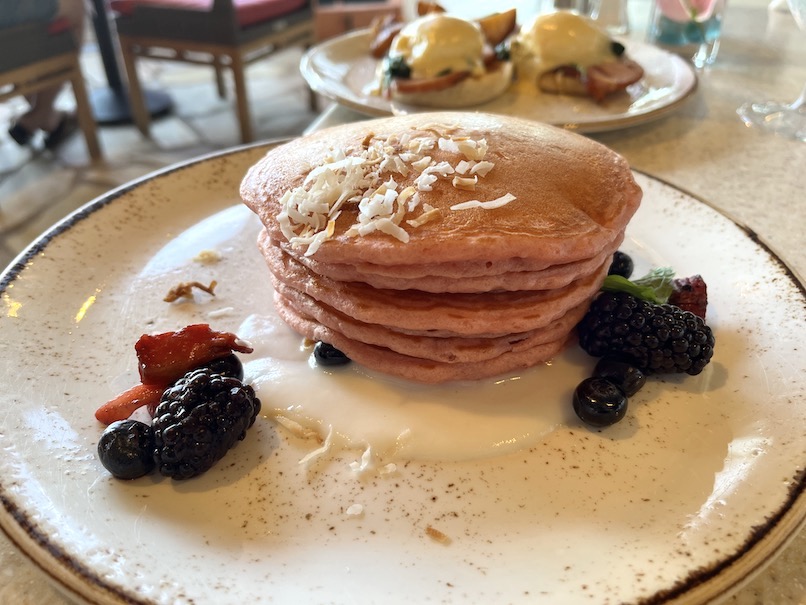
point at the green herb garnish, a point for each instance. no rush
(655, 286)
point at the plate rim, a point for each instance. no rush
(764, 542)
(318, 85)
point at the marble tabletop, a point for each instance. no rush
(704, 148)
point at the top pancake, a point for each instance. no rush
(573, 196)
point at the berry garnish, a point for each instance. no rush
(198, 420)
(327, 355)
(654, 338)
(164, 358)
(126, 449)
(625, 376)
(227, 366)
(599, 402)
(690, 294)
(622, 265)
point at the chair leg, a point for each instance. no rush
(84, 114)
(219, 77)
(239, 77)
(137, 103)
(312, 99)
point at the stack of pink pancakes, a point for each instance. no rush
(443, 246)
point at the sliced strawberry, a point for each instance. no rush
(166, 357)
(124, 405)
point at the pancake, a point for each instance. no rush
(555, 276)
(441, 246)
(448, 349)
(572, 195)
(414, 368)
(463, 314)
(453, 270)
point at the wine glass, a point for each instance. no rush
(788, 119)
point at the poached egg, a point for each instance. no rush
(437, 44)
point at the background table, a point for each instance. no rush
(756, 178)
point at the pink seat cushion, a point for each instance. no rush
(58, 25)
(248, 12)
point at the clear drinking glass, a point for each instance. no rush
(787, 119)
(690, 28)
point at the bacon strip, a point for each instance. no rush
(612, 76)
(166, 357)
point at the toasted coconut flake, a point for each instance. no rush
(295, 427)
(320, 451)
(437, 535)
(385, 225)
(355, 510)
(426, 217)
(359, 466)
(185, 290)
(309, 212)
(423, 163)
(222, 312)
(208, 257)
(492, 204)
(448, 145)
(464, 166)
(465, 183)
(482, 168)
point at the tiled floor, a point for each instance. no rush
(38, 188)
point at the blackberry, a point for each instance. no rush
(198, 420)
(654, 338)
(626, 377)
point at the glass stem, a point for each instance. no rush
(800, 101)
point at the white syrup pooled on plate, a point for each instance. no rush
(393, 418)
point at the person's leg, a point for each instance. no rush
(42, 114)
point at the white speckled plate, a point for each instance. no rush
(341, 68)
(694, 492)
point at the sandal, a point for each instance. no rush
(20, 134)
(67, 126)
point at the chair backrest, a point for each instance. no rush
(218, 25)
(30, 43)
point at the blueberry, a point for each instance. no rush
(327, 355)
(625, 376)
(599, 402)
(227, 366)
(126, 449)
(622, 265)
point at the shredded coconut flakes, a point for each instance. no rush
(363, 180)
(492, 204)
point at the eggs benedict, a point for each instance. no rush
(566, 53)
(443, 61)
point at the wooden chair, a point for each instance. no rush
(224, 34)
(36, 56)
(336, 17)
